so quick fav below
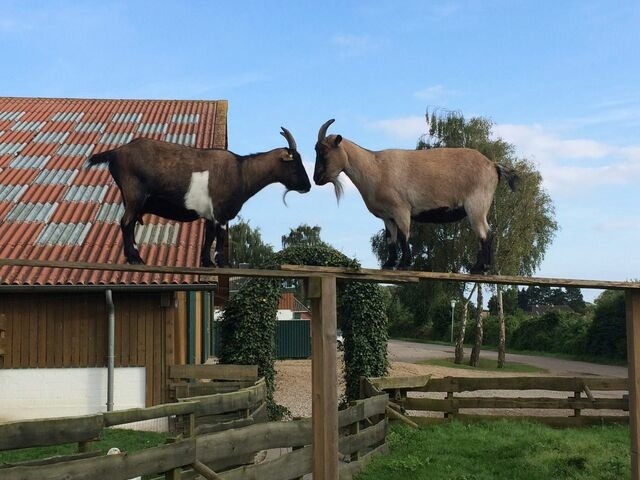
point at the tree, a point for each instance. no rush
(509, 300)
(607, 335)
(247, 246)
(474, 360)
(534, 296)
(459, 350)
(575, 300)
(303, 234)
(522, 222)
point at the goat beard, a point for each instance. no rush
(338, 188)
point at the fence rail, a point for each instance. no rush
(363, 428)
(424, 400)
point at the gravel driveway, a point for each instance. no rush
(293, 379)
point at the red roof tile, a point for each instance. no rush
(60, 128)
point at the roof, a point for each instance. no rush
(52, 207)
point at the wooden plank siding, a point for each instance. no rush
(69, 330)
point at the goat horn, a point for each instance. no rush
(323, 129)
(287, 134)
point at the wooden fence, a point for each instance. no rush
(321, 290)
(575, 401)
(363, 428)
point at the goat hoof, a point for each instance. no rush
(207, 263)
(479, 270)
(137, 260)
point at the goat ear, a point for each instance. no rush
(288, 157)
(337, 141)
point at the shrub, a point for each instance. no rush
(552, 332)
(607, 335)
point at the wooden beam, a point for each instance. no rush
(324, 391)
(205, 471)
(633, 354)
(364, 274)
(299, 271)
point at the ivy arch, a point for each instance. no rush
(249, 321)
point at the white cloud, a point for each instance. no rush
(404, 128)
(434, 93)
(627, 224)
(355, 45)
(535, 140)
(7, 25)
(573, 165)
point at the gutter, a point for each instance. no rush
(111, 349)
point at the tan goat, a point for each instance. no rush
(439, 185)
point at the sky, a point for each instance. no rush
(559, 80)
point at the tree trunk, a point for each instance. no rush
(502, 332)
(474, 361)
(459, 355)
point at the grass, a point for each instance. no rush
(486, 364)
(125, 440)
(513, 450)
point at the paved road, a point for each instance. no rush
(413, 352)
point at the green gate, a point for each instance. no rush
(293, 339)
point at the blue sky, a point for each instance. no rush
(560, 80)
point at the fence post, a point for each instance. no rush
(633, 353)
(324, 391)
(576, 396)
(450, 410)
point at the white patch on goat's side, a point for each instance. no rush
(197, 197)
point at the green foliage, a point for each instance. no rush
(249, 320)
(302, 234)
(535, 296)
(362, 315)
(246, 245)
(509, 302)
(607, 335)
(516, 450)
(401, 322)
(247, 330)
(552, 332)
(491, 327)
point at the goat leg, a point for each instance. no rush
(405, 260)
(218, 256)
(392, 249)
(207, 241)
(130, 252)
(485, 256)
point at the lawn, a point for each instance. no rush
(125, 440)
(514, 450)
(486, 364)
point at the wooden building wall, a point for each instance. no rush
(47, 330)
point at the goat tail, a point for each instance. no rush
(102, 157)
(508, 174)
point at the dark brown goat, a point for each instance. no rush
(439, 185)
(184, 184)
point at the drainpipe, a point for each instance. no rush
(111, 349)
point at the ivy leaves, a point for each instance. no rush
(249, 320)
